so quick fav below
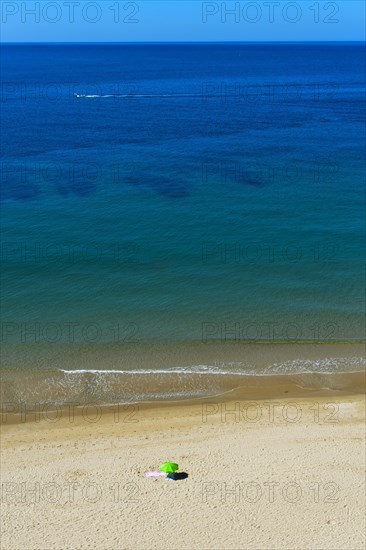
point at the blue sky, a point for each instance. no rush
(181, 20)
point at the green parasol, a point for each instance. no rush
(169, 467)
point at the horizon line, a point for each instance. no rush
(151, 42)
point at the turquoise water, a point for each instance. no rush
(265, 262)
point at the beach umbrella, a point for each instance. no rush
(169, 467)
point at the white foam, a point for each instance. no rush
(298, 366)
(327, 365)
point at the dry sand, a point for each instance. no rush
(289, 476)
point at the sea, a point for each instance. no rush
(178, 217)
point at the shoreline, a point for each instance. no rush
(272, 387)
(159, 373)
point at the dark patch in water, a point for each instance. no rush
(81, 189)
(253, 182)
(248, 178)
(19, 191)
(163, 185)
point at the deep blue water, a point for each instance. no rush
(204, 192)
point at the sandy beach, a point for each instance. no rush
(263, 473)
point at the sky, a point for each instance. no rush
(181, 20)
